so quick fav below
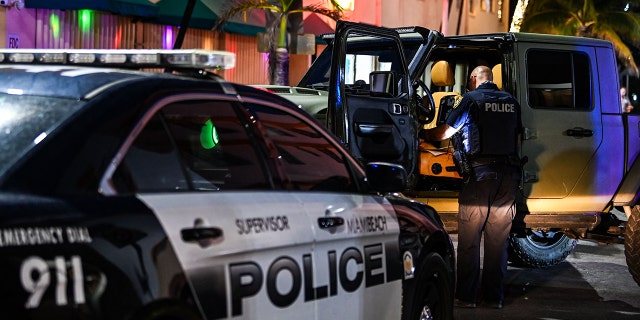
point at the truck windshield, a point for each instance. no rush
(26, 120)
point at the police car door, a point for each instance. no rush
(355, 269)
(241, 245)
(369, 95)
(562, 126)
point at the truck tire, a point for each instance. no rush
(540, 250)
(632, 244)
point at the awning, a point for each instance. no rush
(170, 12)
(255, 19)
(317, 26)
(166, 12)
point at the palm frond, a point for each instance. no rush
(603, 19)
(623, 52)
(626, 24)
(236, 7)
(278, 59)
(545, 21)
(319, 9)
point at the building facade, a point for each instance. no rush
(23, 26)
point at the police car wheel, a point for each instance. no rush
(540, 249)
(431, 297)
(632, 243)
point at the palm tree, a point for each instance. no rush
(278, 50)
(518, 13)
(602, 19)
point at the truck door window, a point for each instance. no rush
(559, 80)
(360, 62)
(359, 66)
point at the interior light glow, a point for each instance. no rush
(54, 23)
(209, 135)
(118, 38)
(85, 20)
(168, 38)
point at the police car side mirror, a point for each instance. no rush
(386, 177)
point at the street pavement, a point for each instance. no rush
(592, 283)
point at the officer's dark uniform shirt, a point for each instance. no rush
(488, 120)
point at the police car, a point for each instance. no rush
(156, 195)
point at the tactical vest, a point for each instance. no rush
(492, 130)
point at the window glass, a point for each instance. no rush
(25, 119)
(362, 58)
(359, 64)
(310, 160)
(195, 145)
(559, 79)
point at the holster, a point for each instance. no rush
(462, 163)
(460, 158)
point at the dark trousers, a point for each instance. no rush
(487, 207)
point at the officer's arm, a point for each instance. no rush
(439, 133)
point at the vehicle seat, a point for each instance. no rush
(434, 160)
(443, 78)
(497, 75)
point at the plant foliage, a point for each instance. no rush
(602, 19)
(277, 31)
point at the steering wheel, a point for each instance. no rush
(426, 105)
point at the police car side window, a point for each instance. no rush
(310, 160)
(191, 145)
(559, 80)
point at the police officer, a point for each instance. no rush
(485, 127)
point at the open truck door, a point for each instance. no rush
(372, 105)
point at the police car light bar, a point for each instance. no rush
(142, 58)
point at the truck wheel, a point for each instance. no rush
(432, 295)
(632, 244)
(540, 249)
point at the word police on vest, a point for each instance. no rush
(499, 107)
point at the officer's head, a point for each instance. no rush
(478, 76)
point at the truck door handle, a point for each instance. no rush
(200, 233)
(330, 222)
(373, 129)
(580, 132)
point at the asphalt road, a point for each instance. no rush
(592, 283)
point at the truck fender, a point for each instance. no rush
(628, 193)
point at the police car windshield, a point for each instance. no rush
(25, 121)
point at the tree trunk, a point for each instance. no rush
(279, 67)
